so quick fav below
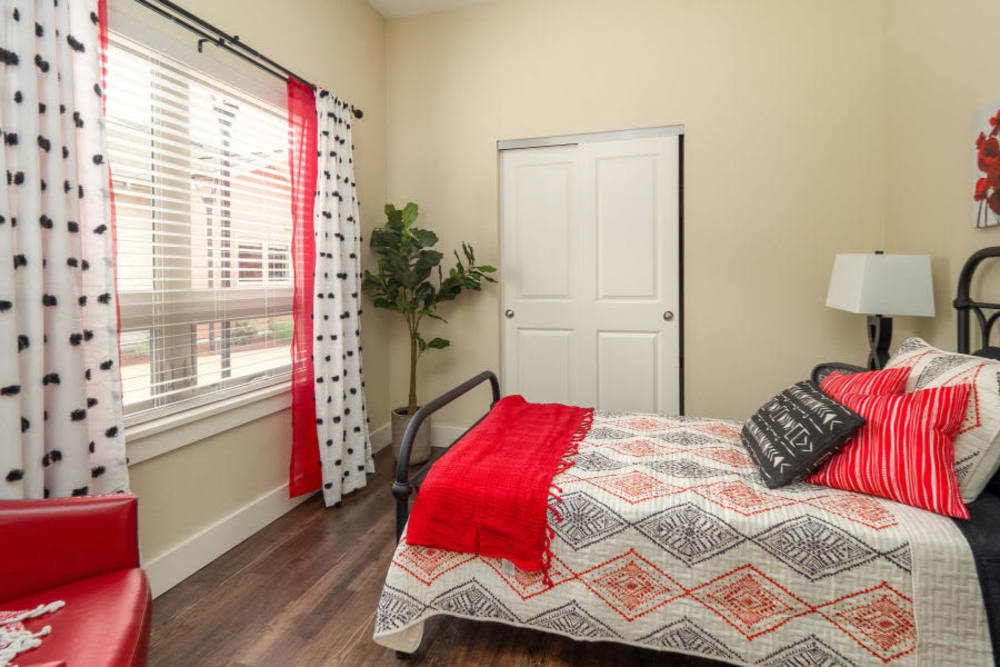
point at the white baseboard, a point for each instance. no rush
(184, 559)
(380, 437)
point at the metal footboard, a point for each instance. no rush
(404, 485)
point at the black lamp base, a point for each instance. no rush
(879, 335)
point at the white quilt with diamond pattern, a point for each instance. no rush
(669, 540)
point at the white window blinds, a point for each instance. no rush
(202, 200)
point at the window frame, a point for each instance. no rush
(143, 310)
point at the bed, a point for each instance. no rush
(670, 540)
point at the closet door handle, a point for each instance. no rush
(509, 314)
(668, 315)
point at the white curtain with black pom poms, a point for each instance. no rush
(341, 418)
(60, 394)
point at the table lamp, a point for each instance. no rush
(879, 286)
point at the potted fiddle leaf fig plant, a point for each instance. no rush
(410, 281)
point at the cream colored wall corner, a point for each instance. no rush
(939, 71)
(784, 111)
(197, 499)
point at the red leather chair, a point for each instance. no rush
(84, 551)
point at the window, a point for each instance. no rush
(203, 210)
(251, 263)
(277, 264)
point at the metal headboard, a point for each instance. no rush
(964, 305)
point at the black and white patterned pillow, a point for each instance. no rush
(795, 432)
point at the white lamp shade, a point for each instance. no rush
(882, 285)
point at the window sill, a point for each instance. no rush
(158, 436)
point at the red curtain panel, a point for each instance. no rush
(102, 13)
(304, 472)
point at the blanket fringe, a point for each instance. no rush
(555, 491)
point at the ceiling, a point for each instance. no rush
(394, 9)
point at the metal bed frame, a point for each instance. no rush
(405, 484)
(964, 305)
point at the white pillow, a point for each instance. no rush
(977, 444)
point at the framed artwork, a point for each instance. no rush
(986, 188)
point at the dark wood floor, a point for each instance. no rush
(303, 591)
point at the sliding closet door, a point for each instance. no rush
(590, 274)
(540, 277)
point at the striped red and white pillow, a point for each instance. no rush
(904, 452)
(869, 383)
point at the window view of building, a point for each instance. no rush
(203, 210)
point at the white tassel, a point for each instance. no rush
(36, 612)
(18, 641)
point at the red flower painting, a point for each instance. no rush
(987, 188)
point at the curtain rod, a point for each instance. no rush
(230, 43)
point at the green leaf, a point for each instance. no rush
(425, 237)
(438, 343)
(423, 273)
(409, 279)
(424, 293)
(429, 258)
(394, 216)
(372, 282)
(396, 263)
(409, 214)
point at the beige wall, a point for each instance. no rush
(784, 108)
(338, 45)
(189, 489)
(938, 73)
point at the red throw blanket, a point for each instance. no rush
(489, 494)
